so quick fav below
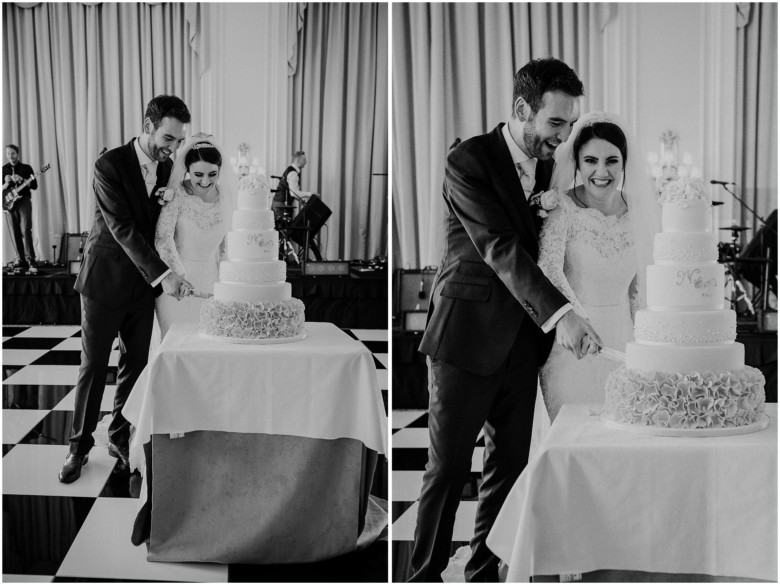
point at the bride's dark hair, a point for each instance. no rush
(204, 151)
(605, 131)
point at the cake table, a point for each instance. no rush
(594, 498)
(256, 453)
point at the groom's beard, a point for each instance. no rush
(537, 147)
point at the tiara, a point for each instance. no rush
(600, 121)
(200, 145)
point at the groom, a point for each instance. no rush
(490, 314)
(120, 275)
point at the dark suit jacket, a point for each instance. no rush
(488, 283)
(120, 248)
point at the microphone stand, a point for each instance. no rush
(765, 272)
(746, 206)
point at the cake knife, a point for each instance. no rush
(200, 295)
(612, 354)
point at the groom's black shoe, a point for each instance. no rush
(121, 453)
(71, 470)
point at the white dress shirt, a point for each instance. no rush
(148, 170)
(518, 156)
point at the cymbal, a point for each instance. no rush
(716, 203)
(735, 228)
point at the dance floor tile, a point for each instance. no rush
(383, 359)
(11, 330)
(409, 459)
(39, 530)
(27, 578)
(33, 396)
(33, 469)
(21, 357)
(403, 418)
(69, 344)
(30, 343)
(45, 375)
(376, 346)
(407, 485)
(102, 550)
(54, 429)
(17, 423)
(60, 331)
(403, 528)
(59, 358)
(370, 334)
(420, 423)
(106, 404)
(381, 378)
(411, 438)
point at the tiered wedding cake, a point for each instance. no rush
(684, 369)
(252, 302)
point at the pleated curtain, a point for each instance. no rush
(756, 160)
(77, 78)
(453, 66)
(340, 105)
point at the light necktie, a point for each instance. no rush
(527, 170)
(150, 176)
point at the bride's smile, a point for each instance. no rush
(601, 167)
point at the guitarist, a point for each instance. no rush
(14, 173)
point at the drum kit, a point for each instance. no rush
(738, 264)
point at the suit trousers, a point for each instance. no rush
(21, 220)
(462, 403)
(100, 325)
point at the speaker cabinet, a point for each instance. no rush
(413, 290)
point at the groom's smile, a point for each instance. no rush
(544, 130)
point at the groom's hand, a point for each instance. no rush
(175, 285)
(577, 335)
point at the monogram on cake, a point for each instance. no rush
(252, 301)
(684, 369)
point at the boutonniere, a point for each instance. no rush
(164, 196)
(544, 201)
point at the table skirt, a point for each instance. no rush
(253, 498)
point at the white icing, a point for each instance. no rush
(260, 245)
(687, 216)
(685, 248)
(252, 293)
(253, 219)
(685, 327)
(254, 199)
(684, 358)
(694, 286)
(252, 272)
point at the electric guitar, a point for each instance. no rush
(12, 194)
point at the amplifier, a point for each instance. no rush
(414, 320)
(72, 247)
(413, 290)
(326, 268)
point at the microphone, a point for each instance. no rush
(724, 183)
(102, 152)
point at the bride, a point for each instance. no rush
(595, 247)
(192, 227)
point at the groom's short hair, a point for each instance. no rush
(167, 106)
(539, 76)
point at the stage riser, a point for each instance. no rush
(346, 302)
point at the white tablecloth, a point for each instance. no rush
(323, 387)
(594, 498)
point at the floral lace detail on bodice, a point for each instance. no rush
(190, 229)
(588, 256)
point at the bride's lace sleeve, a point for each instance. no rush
(163, 239)
(633, 298)
(552, 249)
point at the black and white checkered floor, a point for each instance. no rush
(410, 454)
(81, 531)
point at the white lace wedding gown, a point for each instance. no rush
(189, 237)
(590, 258)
